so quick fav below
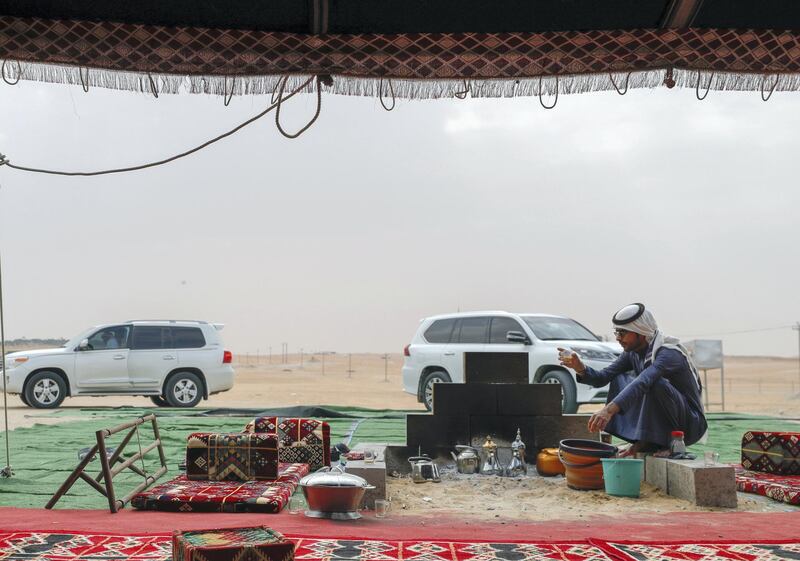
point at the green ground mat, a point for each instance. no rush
(42, 456)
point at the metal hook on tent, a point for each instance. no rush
(772, 89)
(697, 86)
(280, 101)
(19, 73)
(229, 95)
(540, 95)
(463, 94)
(391, 91)
(153, 87)
(613, 83)
(84, 83)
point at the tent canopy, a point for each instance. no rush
(416, 48)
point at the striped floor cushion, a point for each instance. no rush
(783, 488)
(184, 495)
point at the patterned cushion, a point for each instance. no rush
(182, 495)
(231, 457)
(771, 452)
(306, 441)
(250, 544)
(783, 488)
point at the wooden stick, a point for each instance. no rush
(101, 449)
(73, 477)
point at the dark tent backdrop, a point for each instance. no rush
(411, 48)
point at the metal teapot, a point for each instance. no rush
(423, 469)
(468, 460)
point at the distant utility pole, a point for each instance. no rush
(796, 327)
(349, 365)
(301, 357)
(270, 355)
(323, 363)
(385, 358)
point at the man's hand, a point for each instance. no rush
(570, 359)
(599, 420)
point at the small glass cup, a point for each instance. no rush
(711, 457)
(369, 456)
(565, 353)
(297, 503)
(381, 508)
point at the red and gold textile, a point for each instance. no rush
(703, 551)
(300, 441)
(240, 61)
(183, 495)
(231, 457)
(37, 546)
(72, 546)
(241, 544)
(782, 488)
(771, 452)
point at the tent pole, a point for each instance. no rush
(6, 471)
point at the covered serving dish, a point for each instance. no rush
(333, 493)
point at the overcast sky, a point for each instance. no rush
(346, 237)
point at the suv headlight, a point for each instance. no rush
(12, 363)
(593, 354)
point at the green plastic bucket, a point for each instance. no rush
(622, 476)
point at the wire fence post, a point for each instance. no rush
(796, 327)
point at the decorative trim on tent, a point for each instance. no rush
(425, 65)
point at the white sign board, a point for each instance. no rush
(706, 353)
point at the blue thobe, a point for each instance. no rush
(654, 399)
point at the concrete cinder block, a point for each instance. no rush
(550, 430)
(464, 399)
(427, 432)
(655, 472)
(702, 485)
(374, 473)
(529, 399)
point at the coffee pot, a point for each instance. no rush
(492, 465)
(423, 469)
(468, 460)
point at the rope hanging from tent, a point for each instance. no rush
(275, 105)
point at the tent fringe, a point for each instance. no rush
(157, 84)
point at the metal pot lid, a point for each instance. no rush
(333, 477)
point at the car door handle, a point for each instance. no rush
(449, 354)
(118, 357)
(168, 357)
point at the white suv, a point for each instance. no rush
(436, 353)
(176, 363)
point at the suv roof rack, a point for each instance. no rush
(167, 321)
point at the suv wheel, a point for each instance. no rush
(569, 399)
(45, 390)
(183, 389)
(158, 400)
(436, 377)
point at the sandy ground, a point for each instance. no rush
(538, 498)
(752, 385)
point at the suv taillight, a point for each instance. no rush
(406, 351)
(227, 357)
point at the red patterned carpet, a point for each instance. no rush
(70, 546)
(693, 551)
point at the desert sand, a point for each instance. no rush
(752, 385)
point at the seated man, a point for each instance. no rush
(110, 340)
(661, 395)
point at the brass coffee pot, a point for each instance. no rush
(492, 465)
